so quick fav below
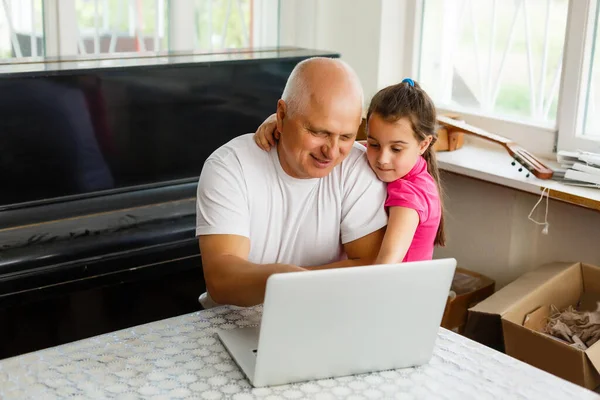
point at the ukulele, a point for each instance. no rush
(520, 155)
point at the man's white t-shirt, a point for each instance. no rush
(244, 191)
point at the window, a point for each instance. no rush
(502, 58)
(223, 24)
(124, 26)
(21, 28)
(117, 26)
(528, 62)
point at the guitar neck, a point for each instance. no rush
(522, 156)
(472, 130)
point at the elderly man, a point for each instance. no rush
(312, 202)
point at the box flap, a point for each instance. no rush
(537, 319)
(591, 278)
(500, 302)
(593, 354)
(589, 302)
(562, 290)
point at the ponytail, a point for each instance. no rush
(432, 168)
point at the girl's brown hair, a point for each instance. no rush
(405, 100)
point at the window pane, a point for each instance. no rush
(113, 26)
(117, 26)
(592, 99)
(501, 58)
(21, 29)
(223, 24)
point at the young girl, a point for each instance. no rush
(401, 123)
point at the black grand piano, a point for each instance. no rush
(99, 161)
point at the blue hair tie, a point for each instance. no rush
(409, 81)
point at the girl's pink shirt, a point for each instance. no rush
(418, 191)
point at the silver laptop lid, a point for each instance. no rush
(338, 322)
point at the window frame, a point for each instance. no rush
(576, 62)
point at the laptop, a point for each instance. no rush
(345, 321)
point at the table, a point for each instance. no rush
(181, 358)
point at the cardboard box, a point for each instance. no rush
(560, 284)
(455, 313)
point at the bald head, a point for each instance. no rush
(320, 79)
(318, 117)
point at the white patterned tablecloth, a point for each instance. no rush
(181, 358)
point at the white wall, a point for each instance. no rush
(487, 226)
(331, 25)
(489, 232)
(391, 44)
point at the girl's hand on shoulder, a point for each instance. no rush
(266, 135)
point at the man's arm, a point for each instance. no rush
(362, 251)
(223, 226)
(230, 277)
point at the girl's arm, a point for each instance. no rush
(401, 228)
(267, 135)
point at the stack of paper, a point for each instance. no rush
(579, 168)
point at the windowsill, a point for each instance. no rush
(489, 162)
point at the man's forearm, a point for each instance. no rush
(242, 283)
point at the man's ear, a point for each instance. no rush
(281, 113)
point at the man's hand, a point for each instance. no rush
(230, 277)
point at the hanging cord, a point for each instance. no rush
(545, 191)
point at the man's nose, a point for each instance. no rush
(331, 149)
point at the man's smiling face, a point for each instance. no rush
(317, 138)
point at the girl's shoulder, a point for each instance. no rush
(419, 187)
(416, 180)
(402, 188)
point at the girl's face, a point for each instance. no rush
(392, 149)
